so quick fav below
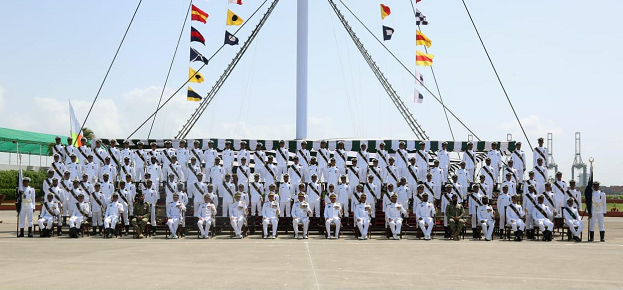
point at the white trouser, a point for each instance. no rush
(474, 221)
(140, 173)
(337, 222)
(281, 171)
(543, 224)
(173, 224)
(297, 221)
(285, 207)
(96, 218)
(256, 207)
(46, 222)
(75, 222)
(347, 207)
(204, 225)
(445, 218)
(227, 168)
(487, 228)
(315, 207)
(502, 211)
(225, 207)
(237, 223)
(363, 224)
(271, 220)
(373, 208)
(591, 222)
(529, 220)
(426, 224)
(515, 224)
(395, 225)
(25, 213)
(153, 215)
(126, 220)
(111, 221)
(575, 223)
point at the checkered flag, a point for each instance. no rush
(420, 19)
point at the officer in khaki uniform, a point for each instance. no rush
(456, 217)
(142, 210)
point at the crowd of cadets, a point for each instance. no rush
(110, 180)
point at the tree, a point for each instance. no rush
(88, 133)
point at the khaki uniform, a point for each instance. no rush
(144, 210)
(456, 211)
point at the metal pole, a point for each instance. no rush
(40, 156)
(302, 10)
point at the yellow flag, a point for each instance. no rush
(421, 39)
(423, 59)
(194, 76)
(233, 19)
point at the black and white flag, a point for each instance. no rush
(420, 19)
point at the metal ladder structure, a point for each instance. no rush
(391, 92)
(190, 123)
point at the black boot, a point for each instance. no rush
(30, 232)
(516, 236)
(127, 230)
(529, 234)
(520, 235)
(591, 236)
(474, 233)
(94, 231)
(59, 230)
(446, 233)
(21, 233)
(602, 236)
(72, 233)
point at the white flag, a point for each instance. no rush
(418, 97)
(239, 2)
(419, 79)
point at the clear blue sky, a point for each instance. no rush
(560, 62)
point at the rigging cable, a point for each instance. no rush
(109, 68)
(170, 67)
(496, 73)
(200, 68)
(434, 77)
(411, 73)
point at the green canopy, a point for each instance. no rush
(29, 142)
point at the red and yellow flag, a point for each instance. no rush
(421, 39)
(385, 11)
(423, 59)
(199, 15)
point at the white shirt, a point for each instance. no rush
(114, 209)
(175, 208)
(333, 211)
(425, 210)
(207, 210)
(395, 211)
(270, 209)
(301, 210)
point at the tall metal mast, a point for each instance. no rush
(393, 95)
(578, 163)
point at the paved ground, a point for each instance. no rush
(285, 263)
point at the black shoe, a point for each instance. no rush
(127, 230)
(520, 235)
(602, 236)
(59, 231)
(21, 233)
(30, 232)
(94, 231)
(591, 236)
(577, 239)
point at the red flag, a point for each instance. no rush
(385, 11)
(199, 15)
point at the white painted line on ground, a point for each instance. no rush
(312, 265)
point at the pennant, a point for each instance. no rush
(196, 36)
(193, 96)
(387, 32)
(233, 19)
(198, 15)
(239, 2)
(421, 39)
(230, 38)
(194, 76)
(417, 1)
(385, 11)
(419, 78)
(418, 98)
(75, 133)
(423, 59)
(196, 56)
(420, 19)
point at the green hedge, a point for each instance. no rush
(8, 182)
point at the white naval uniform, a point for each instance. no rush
(343, 192)
(383, 158)
(59, 170)
(444, 162)
(425, 213)
(60, 150)
(98, 205)
(183, 156)
(300, 215)
(75, 171)
(333, 215)
(504, 200)
(598, 210)
(340, 156)
(313, 197)
(83, 154)
(514, 219)
(437, 178)
(528, 206)
(77, 216)
(99, 156)
(28, 206)
(208, 157)
(402, 157)
(392, 175)
(469, 157)
(515, 177)
(46, 218)
(282, 160)
(560, 196)
(541, 176)
(537, 186)
(151, 196)
(304, 159)
(404, 194)
(512, 187)
(578, 196)
(110, 169)
(177, 170)
(394, 214)
(199, 155)
(519, 163)
(140, 162)
(363, 159)
(227, 156)
(199, 189)
(373, 194)
(496, 162)
(475, 201)
(91, 169)
(167, 157)
(286, 193)
(66, 186)
(543, 155)
(546, 201)
(191, 175)
(297, 176)
(243, 172)
(114, 210)
(486, 220)
(362, 214)
(331, 175)
(69, 150)
(215, 174)
(175, 214)
(237, 215)
(206, 213)
(270, 215)
(259, 159)
(573, 220)
(170, 188)
(543, 221)
(412, 174)
(226, 191)
(323, 157)
(354, 175)
(124, 195)
(271, 174)
(256, 191)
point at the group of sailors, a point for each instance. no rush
(281, 184)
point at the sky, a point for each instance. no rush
(559, 61)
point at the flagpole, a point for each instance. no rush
(302, 10)
(18, 193)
